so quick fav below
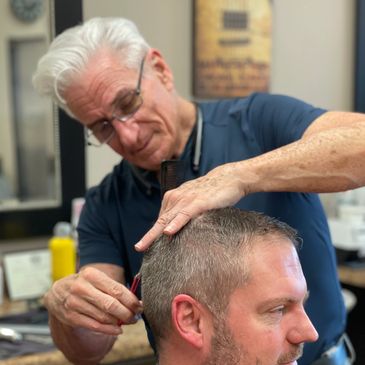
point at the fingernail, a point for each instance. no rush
(138, 245)
(138, 317)
(133, 320)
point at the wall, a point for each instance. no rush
(312, 51)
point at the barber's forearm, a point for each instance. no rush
(80, 346)
(329, 158)
(328, 161)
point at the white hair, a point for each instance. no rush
(70, 52)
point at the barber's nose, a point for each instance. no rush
(303, 330)
(127, 131)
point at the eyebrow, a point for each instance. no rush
(282, 300)
(120, 95)
(93, 124)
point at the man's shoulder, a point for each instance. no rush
(218, 109)
(255, 99)
(223, 105)
(259, 106)
(215, 112)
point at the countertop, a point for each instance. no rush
(352, 275)
(131, 344)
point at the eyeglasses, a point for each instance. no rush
(125, 107)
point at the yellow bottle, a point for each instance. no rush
(63, 251)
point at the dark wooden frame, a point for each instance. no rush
(25, 223)
(360, 57)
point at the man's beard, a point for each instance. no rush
(295, 353)
(225, 350)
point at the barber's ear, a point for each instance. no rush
(191, 321)
(162, 69)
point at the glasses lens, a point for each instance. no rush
(100, 133)
(127, 106)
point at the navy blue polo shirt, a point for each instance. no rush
(119, 211)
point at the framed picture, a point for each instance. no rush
(360, 58)
(232, 47)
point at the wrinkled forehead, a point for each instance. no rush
(104, 74)
(107, 64)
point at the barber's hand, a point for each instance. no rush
(219, 188)
(91, 299)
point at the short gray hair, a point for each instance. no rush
(204, 260)
(70, 52)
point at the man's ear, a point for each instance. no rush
(158, 63)
(191, 321)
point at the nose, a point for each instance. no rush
(127, 131)
(302, 330)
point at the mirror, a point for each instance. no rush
(360, 57)
(41, 149)
(28, 157)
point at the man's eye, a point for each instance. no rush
(278, 310)
(126, 105)
(102, 130)
(100, 127)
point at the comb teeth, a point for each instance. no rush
(172, 175)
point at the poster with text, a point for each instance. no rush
(232, 47)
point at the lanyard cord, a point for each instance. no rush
(198, 140)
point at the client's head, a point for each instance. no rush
(227, 289)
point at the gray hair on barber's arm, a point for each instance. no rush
(70, 52)
(208, 259)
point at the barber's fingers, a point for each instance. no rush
(107, 294)
(147, 240)
(101, 310)
(178, 207)
(164, 224)
(84, 321)
(71, 309)
(74, 304)
(79, 313)
(89, 294)
(219, 188)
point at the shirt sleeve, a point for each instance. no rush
(97, 243)
(277, 120)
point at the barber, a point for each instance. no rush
(259, 153)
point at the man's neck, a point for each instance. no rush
(175, 354)
(178, 360)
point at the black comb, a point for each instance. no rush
(172, 175)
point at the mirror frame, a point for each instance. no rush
(27, 223)
(360, 57)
